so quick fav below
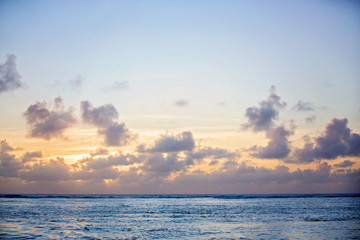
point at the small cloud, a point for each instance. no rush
(262, 118)
(118, 85)
(48, 123)
(181, 103)
(304, 106)
(9, 76)
(105, 118)
(76, 83)
(311, 119)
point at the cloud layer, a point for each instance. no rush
(170, 173)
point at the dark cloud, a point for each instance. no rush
(262, 118)
(311, 119)
(304, 106)
(47, 123)
(278, 146)
(344, 164)
(9, 76)
(181, 103)
(105, 118)
(171, 143)
(336, 141)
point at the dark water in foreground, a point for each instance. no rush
(180, 216)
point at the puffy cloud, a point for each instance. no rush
(278, 146)
(181, 103)
(262, 118)
(336, 141)
(171, 143)
(104, 117)
(9, 76)
(304, 106)
(116, 135)
(158, 165)
(48, 123)
(344, 164)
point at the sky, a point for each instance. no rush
(149, 97)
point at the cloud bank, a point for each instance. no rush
(159, 173)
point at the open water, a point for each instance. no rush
(180, 216)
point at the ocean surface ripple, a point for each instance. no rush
(310, 216)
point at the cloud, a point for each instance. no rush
(105, 118)
(336, 141)
(344, 164)
(171, 143)
(116, 135)
(304, 106)
(311, 119)
(100, 152)
(54, 170)
(31, 156)
(9, 165)
(262, 118)
(9, 76)
(149, 173)
(278, 146)
(181, 103)
(76, 83)
(47, 123)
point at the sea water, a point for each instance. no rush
(179, 216)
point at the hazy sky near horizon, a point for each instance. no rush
(179, 96)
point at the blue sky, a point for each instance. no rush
(215, 58)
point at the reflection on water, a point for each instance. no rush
(180, 218)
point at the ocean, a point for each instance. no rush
(319, 216)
